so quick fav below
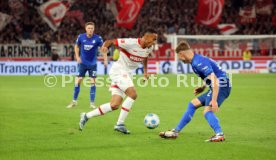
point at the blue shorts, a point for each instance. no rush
(92, 70)
(206, 98)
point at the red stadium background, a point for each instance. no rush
(37, 30)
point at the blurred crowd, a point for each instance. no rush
(166, 16)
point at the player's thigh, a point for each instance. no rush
(115, 90)
(224, 93)
(208, 98)
(222, 96)
(131, 92)
(81, 70)
(196, 102)
(203, 99)
(92, 71)
(123, 81)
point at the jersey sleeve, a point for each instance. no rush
(150, 50)
(124, 42)
(100, 41)
(78, 41)
(206, 68)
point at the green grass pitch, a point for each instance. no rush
(35, 125)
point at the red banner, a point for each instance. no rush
(128, 14)
(209, 12)
(274, 21)
(53, 11)
(227, 29)
(264, 7)
(247, 15)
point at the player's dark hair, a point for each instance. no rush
(182, 46)
(89, 23)
(150, 30)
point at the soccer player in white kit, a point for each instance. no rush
(133, 51)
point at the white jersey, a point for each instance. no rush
(131, 55)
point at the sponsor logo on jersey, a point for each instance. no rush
(132, 57)
(136, 59)
(87, 47)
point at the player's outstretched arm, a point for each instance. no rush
(215, 86)
(145, 65)
(105, 59)
(106, 44)
(104, 49)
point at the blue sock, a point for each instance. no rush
(213, 121)
(186, 118)
(92, 93)
(76, 92)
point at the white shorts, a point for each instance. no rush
(120, 83)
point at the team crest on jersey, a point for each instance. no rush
(87, 47)
(122, 41)
(205, 68)
(93, 41)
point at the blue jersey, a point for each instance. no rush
(203, 67)
(89, 48)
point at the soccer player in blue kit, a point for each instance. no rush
(220, 87)
(86, 49)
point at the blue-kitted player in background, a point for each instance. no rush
(208, 70)
(86, 49)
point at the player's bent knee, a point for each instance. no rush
(78, 80)
(196, 103)
(116, 101)
(131, 92)
(206, 109)
(134, 96)
(93, 81)
(114, 106)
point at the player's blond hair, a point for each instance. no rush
(182, 46)
(89, 23)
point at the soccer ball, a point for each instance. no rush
(151, 121)
(45, 68)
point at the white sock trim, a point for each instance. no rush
(99, 111)
(126, 106)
